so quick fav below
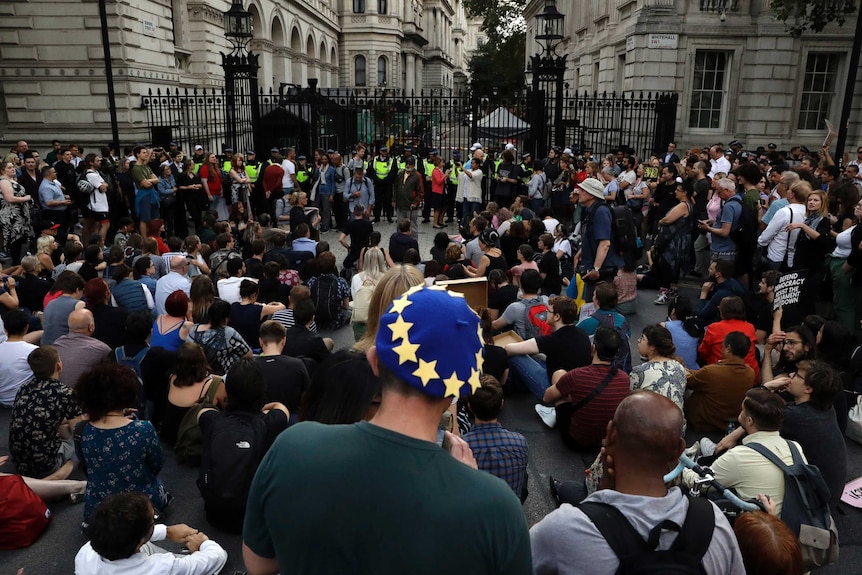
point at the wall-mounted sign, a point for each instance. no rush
(664, 41)
(150, 28)
(630, 43)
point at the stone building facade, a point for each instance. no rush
(738, 72)
(52, 80)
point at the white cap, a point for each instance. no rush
(476, 146)
(568, 151)
(510, 146)
(199, 147)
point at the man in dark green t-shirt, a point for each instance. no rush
(381, 496)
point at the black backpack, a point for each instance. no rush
(624, 232)
(639, 556)
(327, 303)
(83, 192)
(623, 359)
(744, 235)
(233, 448)
(805, 510)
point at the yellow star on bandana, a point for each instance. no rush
(400, 328)
(399, 304)
(480, 361)
(426, 371)
(453, 385)
(474, 380)
(406, 351)
(414, 289)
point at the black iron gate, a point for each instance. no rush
(338, 118)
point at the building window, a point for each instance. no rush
(359, 6)
(818, 90)
(359, 70)
(707, 94)
(381, 71)
(382, 7)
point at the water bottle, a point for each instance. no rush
(731, 427)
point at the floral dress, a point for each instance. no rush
(665, 377)
(15, 218)
(122, 459)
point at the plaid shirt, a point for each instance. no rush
(500, 452)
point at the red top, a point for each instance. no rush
(709, 350)
(590, 423)
(438, 181)
(213, 180)
(272, 177)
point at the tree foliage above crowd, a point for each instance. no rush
(500, 18)
(812, 15)
(499, 66)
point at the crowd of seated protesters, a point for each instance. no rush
(156, 325)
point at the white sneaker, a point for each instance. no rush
(548, 415)
(661, 299)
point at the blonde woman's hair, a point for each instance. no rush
(373, 264)
(43, 244)
(296, 196)
(394, 282)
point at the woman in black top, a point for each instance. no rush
(191, 192)
(491, 259)
(247, 315)
(813, 244)
(500, 293)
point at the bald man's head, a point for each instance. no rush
(647, 427)
(81, 321)
(179, 264)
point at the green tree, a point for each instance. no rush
(802, 15)
(500, 18)
(499, 66)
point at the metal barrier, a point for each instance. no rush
(338, 118)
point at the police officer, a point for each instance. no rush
(382, 172)
(526, 173)
(303, 174)
(198, 157)
(455, 170)
(227, 163)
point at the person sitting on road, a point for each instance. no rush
(605, 303)
(586, 398)
(644, 440)
(43, 416)
(517, 313)
(732, 310)
(716, 390)
(498, 451)
(745, 470)
(122, 533)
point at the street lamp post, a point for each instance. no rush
(548, 69)
(109, 78)
(240, 74)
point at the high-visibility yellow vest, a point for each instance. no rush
(252, 171)
(382, 168)
(497, 165)
(198, 166)
(526, 173)
(429, 168)
(402, 162)
(301, 175)
(454, 172)
(227, 166)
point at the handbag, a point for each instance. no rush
(189, 447)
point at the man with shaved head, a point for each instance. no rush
(643, 442)
(176, 279)
(78, 349)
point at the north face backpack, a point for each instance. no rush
(805, 510)
(536, 322)
(233, 448)
(327, 304)
(637, 556)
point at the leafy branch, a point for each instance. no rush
(804, 15)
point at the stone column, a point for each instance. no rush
(410, 73)
(420, 81)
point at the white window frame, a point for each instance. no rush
(727, 90)
(837, 87)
